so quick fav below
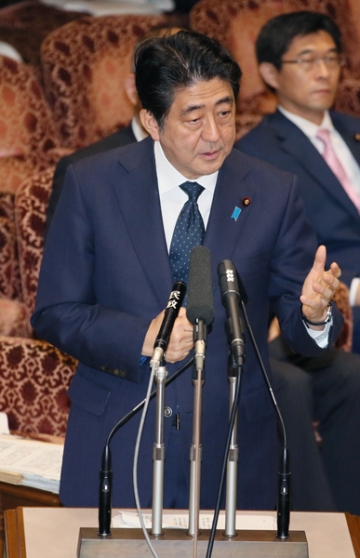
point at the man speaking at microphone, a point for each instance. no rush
(122, 234)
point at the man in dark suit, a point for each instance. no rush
(299, 57)
(106, 276)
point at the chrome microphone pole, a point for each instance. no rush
(233, 457)
(158, 366)
(158, 449)
(196, 447)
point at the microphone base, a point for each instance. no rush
(130, 543)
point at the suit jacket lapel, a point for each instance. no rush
(233, 189)
(294, 142)
(140, 206)
(349, 129)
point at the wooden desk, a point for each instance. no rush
(15, 529)
(12, 496)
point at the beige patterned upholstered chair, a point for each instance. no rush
(34, 376)
(29, 143)
(84, 65)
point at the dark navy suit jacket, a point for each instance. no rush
(106, 274)
(332, 214)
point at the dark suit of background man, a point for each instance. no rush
(106, 278)
(299, 57)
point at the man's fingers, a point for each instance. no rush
(320, 259)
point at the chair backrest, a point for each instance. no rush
(34, 377)
(26, 124)
(24, 25)
(30, 216)
(10, 287)
(236, 24)
(84, 65)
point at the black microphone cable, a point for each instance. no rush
(283, 508)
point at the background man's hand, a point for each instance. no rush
(181, 339)
(319, 287)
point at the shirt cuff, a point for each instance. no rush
(321, 338)
(353, 290)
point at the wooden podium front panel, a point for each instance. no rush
(64, 519)
(354, 529)
(12, 496)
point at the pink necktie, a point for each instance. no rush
(336, 166)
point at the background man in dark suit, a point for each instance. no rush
(106, 276)
(299, 57)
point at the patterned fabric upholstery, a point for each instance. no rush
(341, 299)
(34, 377)
(25, 25)
(27, 128)
(84, 64)
(236, 24)
(28, 144)
(9, 267)
(30, 217)
(348, 97)
(30, 208)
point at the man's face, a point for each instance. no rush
(199, 131)
(307, 92)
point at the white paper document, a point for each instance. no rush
(30, 462)
(180, 521)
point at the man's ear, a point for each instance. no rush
(150, 124)
(269, 74)
(130, 89)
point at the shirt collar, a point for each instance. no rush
(138, 130)
(309, 128)
(169, 177)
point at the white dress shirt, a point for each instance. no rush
(172, 199)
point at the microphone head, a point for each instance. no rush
(200, 305)
(230, 280)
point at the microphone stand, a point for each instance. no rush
(234, 374)
(196, 448)
(158, 449)
(106, 469)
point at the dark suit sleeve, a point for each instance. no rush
(293, 257)
(68, 313)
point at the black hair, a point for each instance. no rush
(278, 33)
(163, 65)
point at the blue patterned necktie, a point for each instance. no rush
(189, 232)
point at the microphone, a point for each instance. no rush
(283, 506)
(105, 493)
(200, 305)
(230, 296)
(233, 292)
(171, 313)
